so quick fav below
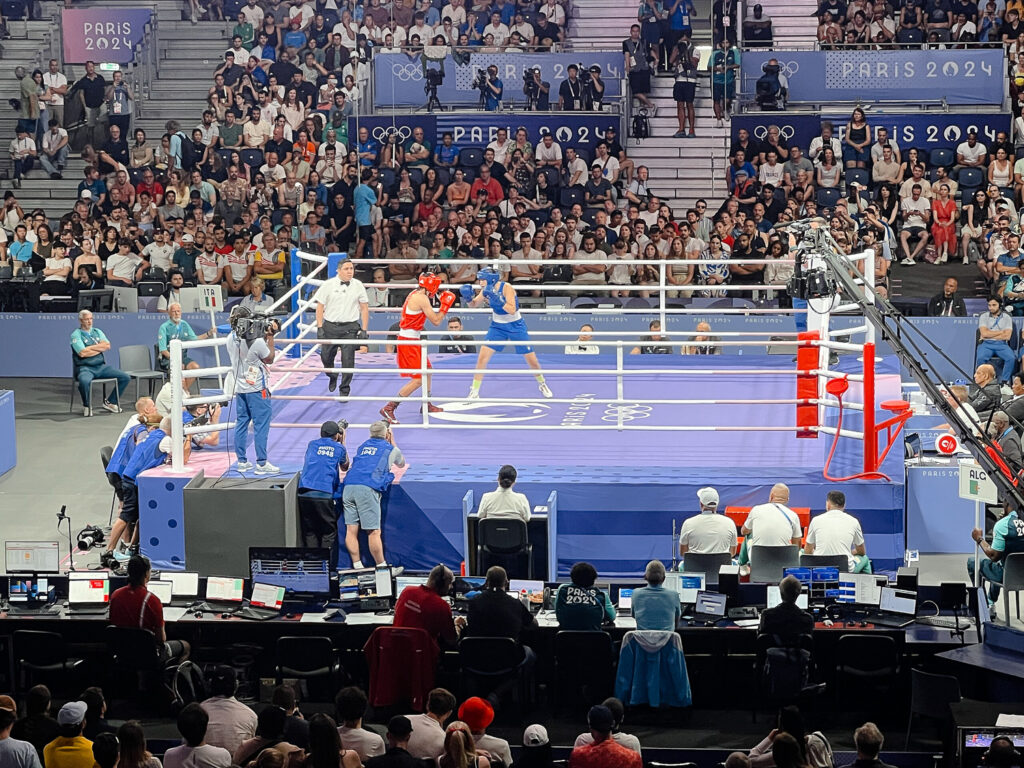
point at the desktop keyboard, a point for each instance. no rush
(945, 622)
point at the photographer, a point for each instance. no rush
(536, 90)
(492, 90)
(251, 353)
(593, 89)
(200, 415)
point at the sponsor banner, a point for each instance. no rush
(102, 34)
(400, 126)
(795, 129)
(975, 76)
(399, 79)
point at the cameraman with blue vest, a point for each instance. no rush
(320, 488)
(368, 478)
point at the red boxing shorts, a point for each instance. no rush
(409, 360)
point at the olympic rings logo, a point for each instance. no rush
(789, 68)
(407, 72)
(382, 133)
(628, 412)
(786, 131)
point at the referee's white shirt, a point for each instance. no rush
(341, 302)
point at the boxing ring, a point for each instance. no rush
(625, 442)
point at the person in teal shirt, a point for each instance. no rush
(88, 345)
(654, 606)
(580, 605)
(724, 63)
(176, 328)
(1007, 539)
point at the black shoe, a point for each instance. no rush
(332, 382)
(54, 175)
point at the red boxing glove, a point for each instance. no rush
(446, 299)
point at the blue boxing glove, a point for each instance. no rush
(496, 300)
(466, 291)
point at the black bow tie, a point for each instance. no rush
(344, 282)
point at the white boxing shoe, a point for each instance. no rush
(546, 390)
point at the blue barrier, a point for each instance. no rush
(975, 76)
(399, 80)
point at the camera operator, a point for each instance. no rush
(199, 415)
(593, 89)
(537, 91)
(493, 89)
(250, 357)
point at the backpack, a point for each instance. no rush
(188, 685)
(188, 155)
(641, 125)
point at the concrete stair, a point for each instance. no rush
(794, 24)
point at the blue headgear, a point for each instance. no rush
(490, 275)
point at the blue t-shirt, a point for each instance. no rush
(367, 146)
(20, 251)
(492, 99)
(364, 199)
(447, 155)
(655, 607)
(680, 19)
(295, 39)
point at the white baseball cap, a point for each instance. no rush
(708, 497)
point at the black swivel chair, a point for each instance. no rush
(506, 537)
(491, 665)
(41, 656)
(584, 666)
(310, 659)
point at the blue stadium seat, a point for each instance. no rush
(388, 178)
(828, 197)
(909, 37)
(569, 196)
(416, 176)
(471, 157)
(252, 157)
(942, 156)
(971, 177)
(551, 174)
(225, 155)
(540, 218)
(444, 176)
(859, 175)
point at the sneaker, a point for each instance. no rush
(679, 135)
(112, 407)
(966, 260)
(431, 408)
(546, 390)
(86, 410)
(653, 109)
(266, 468)
(474, 394)
(388, 413)
(908, 262)
(244, 466)
(942, 259)
(744, 570)
(692, 135)
(123, 556)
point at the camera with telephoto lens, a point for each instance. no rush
(480, 81)
(434, 78)
(250, 326)
(530, 80)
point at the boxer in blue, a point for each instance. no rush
(507, 325)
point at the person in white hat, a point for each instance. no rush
(708, 533)
(70, 749)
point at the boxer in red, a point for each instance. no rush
(415, 312)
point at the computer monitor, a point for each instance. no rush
(774, 598)
(183, 583)
(266, 595)
(98, 300)
(820, 573)
(301, 571)
(360, 582)
(88, 589)
(859, 589)
(973, 739)
(625, 599)
(162, 589)
(405, 580)
(803, 574)
(465, 585)
(686, 584)
(225, 589)
(32, 556)
(532, 586)
(892, 600)
(710, 604)
(22, 591)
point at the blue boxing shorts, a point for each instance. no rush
(514, 331)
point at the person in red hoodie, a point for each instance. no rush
(425, 608)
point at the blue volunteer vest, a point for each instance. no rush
(371, 466)
(320, 468)
(124, 450)
(147, 455)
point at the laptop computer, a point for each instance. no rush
(88, 593)
(184, 587)
(709, 607)
(265, 602)
(774, 598)
(164, 590)
(896, 608)
(223, 594)
(625, 605)
(28, 594)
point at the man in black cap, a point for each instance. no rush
(320, 488)
(605, 750)
(397, 756)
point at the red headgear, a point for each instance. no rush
(430, 282)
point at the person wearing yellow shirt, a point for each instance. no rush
(70, 749)
(269, 263)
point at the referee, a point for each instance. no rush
(342, 312)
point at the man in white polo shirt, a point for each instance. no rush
(708, 533)
(770, 525)
(836, 532)
(342, 312)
